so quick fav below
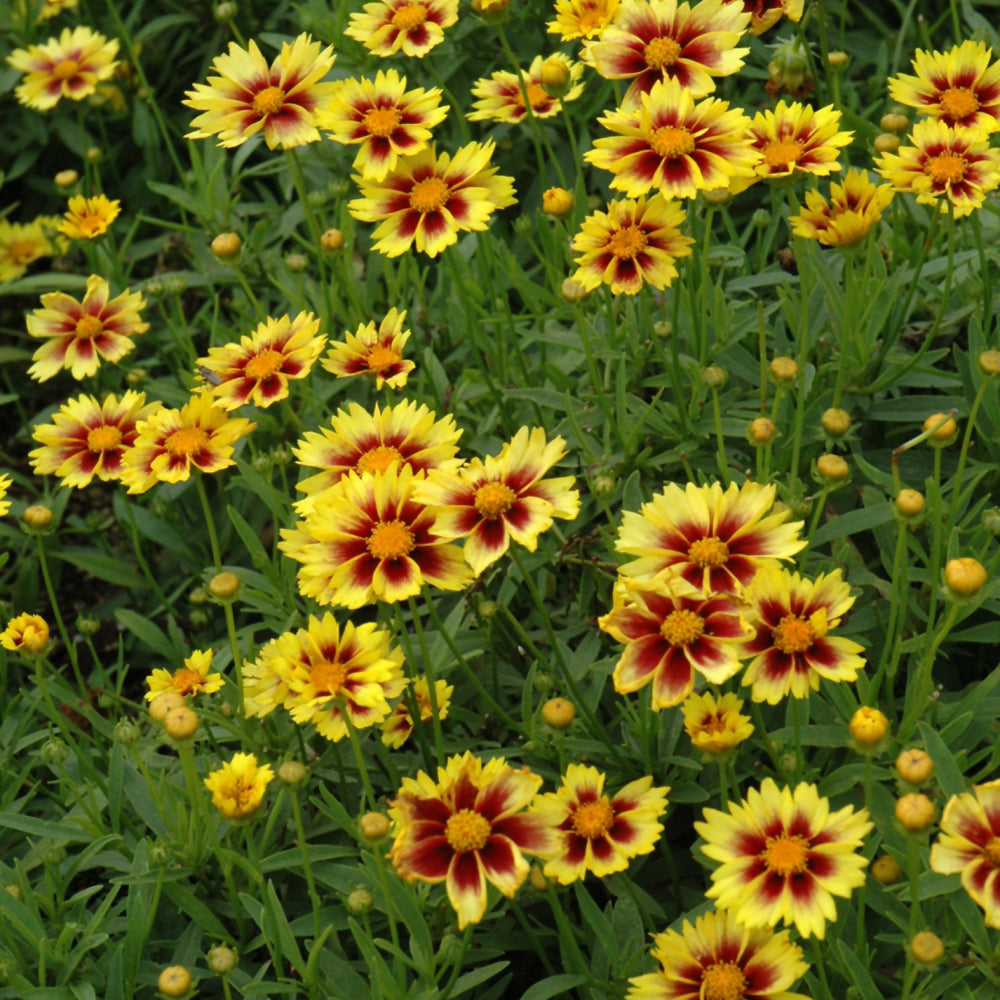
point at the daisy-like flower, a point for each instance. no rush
(634, 243)
(238, 786)
(79, 335)
(720, 959)
(88, 438)
(582, 18)
(784, 856)
(248, 96)
(766, 13)
(397, 728)
(259, 368)
(654, 40)
(5, 484)
(715, 724)
(323, 673)
(402, 25)
(366, 443)
(428, 199)
(467, 829)
(597, 832)
(383, 118)
(193, 678)
(715, 539)
(959, 87)
(969, 843)
(795, 138)
(944, 165)
(792, 650)
(170, 442)
(26, 634)
(853, 209)
(372, 350)
(21, 244)
(70, 66)
(671, 633)
(87, 218)
(674, 144)
(501, 97)
(491, 502)
(370, 540)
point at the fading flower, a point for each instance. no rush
(372, 350)
(88, 218)
(501, 97)
(765, 14)
(21, 244)
(402, 26)
(397, 728)
(26, 634)
(238, 786)
(714, 723)
(191, 679)
(853, 209)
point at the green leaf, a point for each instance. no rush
(949, 774)
(152, 635)
(858, 976)
(477, 976)
(40, 828)
(853, 523)
(554, 986)
(104, 567)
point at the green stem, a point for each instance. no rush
(54, 604)
(206, 507)
(300, 834)
(359, 757)
(431, 679)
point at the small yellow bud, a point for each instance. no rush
(914, 766)
(224, 586)
(226, 245)
(837, 60)
(292, 772)
(868, 726)
(537, 879)
(915, 812)
(296, 262)
(989, 362)
(66, 178)
(717, 196)
(964, 577)
(894, 123)
(715, 376)
(38, 516)
(557, 202)
(835, 421)
(556, 79)
(762, 430)
(221, 959)
(558, 713)
(572, 290)
(332, 239)
(163, 703)
(946, 429)
(784, 369)
(491, 11)
(926, 947)
(174, 981)
(180, 722)
(887, 870)
(832, 468)
(886, 142)
(910, 503)
(93, 154)
(360, 901)
(373, 825)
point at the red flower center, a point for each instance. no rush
(429, 195)
(783, 153)
(264, 364)
(593, 819)
(104, 438)
(661, 52)
(65, 69)
(89, 225)
(785, 855)
(88, 326)
(537, 96)
(793, 634)
(723, 981)
(377, 459)
(186, 680)
(991, 851)
(628, 243)
(709, 551)
(958, 102)
(671, 142)
(328, 678)
(268, 101)
(680, 628)
(186, 442)
(381, 357)
(466, 830)
(409, 16)
(381, 121)
(390, 540)
(494, 499)
(946, 168)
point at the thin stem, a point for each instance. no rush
(54, 604)
(300, 834)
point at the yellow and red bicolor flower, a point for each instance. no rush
(238, 786)
(397, 728)
(26, 634)
(853, 209)
(672, 632)
(249, 97)
(257, 370)
(715, 724)
(959, 87)
(597, 832)
(715, 539)
(79, 335)
(582, 18)
(796, 138)
(654, 40)
(784, 856)
(468, 830)
(193, 678)
(502, 498)
(766, 13)
(88, 438)
(792, 649)
(372, 350)
(501, 97)
(402, 26)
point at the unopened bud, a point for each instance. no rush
(38, 516)
(558, 713)
(221, 959)
(837, 59)
(573, 291)
(715, 376)
(224, 586)
(226, 245)
(292, 772)
(66, 178)
(868, 726)
(557, 201)
(926, 947)
(886, 142)
(832, 468)
(180, 723)
(761, 430)
(914, 766)
(915, 812)
(360, 901)
(945, 429)
(784, 369)
(910, 503)
(174, 981)
(894, 123)
(835, 421)
(964, 576)
(887, 870)
(556, 78)
(332, 239)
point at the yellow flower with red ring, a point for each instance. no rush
(238, 786)
(796, 138)
(397, 728)
(501, 96)
(372, 350)
(715, 724)
(87, 218)
(406, 26)
(190, 679)
(582, 18)
(765, 14)
(853, 209)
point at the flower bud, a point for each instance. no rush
(964, 577)
(784, 369)
(887, 870)
(296, 262)
(573, 291)
(491, 11)
(292, 772)
(126, 732)
(868, 726)
(174, 981)
(989, 362)
(180, 722)
(557, 201)
(717, 196)
(991, 520)
(66, 178)
(537, 879)
(946, 430)
(915, 812)
(603, 485)
(373, 825)
(224, 586)
(760, 219)
(715, 376)
(761, 431)
(221, 959)
(225, 11)
(360, 901)
(226, 245)
(835, 421)
(894, 123)
(832, 468)
(332, 239)
(926, 947)
(837, 59)
(910, 503)
(93, 154)
(558, 712)
(788, 70)
(914, 766)
(53, 751)
(556, 78)
(163, 703)
(886, 142)
(38, 516)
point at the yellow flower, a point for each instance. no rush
(582, 18)
(5, 484)
(501, 96)
(89, 217)
(715, 725)
(26, 634)
(795, 138)
(238, 786)
(192, 678)
(397, 728)
(853, 209)
(22, 243)
(402, 26)
(372, 350)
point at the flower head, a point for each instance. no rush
(238, 786)
(429, 199)
(501, 97)
(596, 832)
(89, 217)
(372, 350)
(467, 829)
(21, 244)
(795, 138)
(70, 66)
(382, 118)
(5, 484)
(715, 724)
(853, 209)
(582, 18)
(88, 438)
(79, 335)
(26, 634)
(766, 13)
(784, 856)
(397, 728)
(248, 96)
(259, 368)
(402, 26)
(192, 678)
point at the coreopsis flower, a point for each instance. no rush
(634, 243)
(969, 844)
(372, 350)
(672, 632)
(720, 959)
(501, 96)
(258, 369)
(397, 728)
(70, 66)
(327, 675)
(853, 209)
(674, 144)
(429, 199)
(582, 18)
(467, 829)
(402, 26)
(89, 438)
(654, 40)
(791, 648)
(5, 484)
(79, 335)
(26, 634)
(238, 786)
(382, 118)
(596, 832)
(87, 218)
(370, 540)
(170, 442)
(944, 166)
(366, 443)
(248, 96)
(193, 678)
(796, 138)
(959, 87)
(501, 498)
(766, 13)
(715, 539)
(715, 724)
(784, 856)
(21, 244)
